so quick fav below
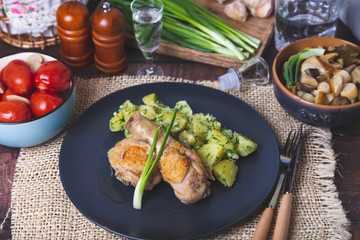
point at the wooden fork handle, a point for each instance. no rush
(283, 218)
(263, 226)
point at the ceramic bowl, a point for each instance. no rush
(41, 129)
(311, 113)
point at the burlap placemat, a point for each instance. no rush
(41, 209)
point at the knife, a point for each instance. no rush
(283, 218)
(263, 226)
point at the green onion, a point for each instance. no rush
(188, 24)
(192, 17)
(140, 186)
(296, 60)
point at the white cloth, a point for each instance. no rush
(31, 16)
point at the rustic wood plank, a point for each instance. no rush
(347, 179)
(7, 168)
(261, 28)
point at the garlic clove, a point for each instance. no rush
(19, 98)
(254, 3)
(260, 8)
(34, 61)
(236, 11)
(264, 11)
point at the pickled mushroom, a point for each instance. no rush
(332, 78)
(340, 101)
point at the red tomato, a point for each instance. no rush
(2, 75)
(53, 76)
(14, 111)
(18, 77)
(2, 87)
(42, 102)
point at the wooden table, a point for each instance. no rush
(346, 139)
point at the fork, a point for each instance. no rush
(283, 218)
(286, 155)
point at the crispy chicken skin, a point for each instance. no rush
(128, 158)
(179, 166)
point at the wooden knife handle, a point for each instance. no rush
(283, 218)
(263, 226)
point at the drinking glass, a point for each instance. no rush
(297, 19)
(147, 21)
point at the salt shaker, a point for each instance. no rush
(108, 34)
(254, 72)
(73, 27)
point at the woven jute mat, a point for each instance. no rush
(41, 209)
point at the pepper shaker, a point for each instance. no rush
(108, 34)
(74, 31)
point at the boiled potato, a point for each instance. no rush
(128, 108)
(150, 99)
(243, 144)
(211, 153)
(164, 119)
(117, 122)
(153, 100)
(225, 172)
(189, 139)
(184, 108)
(199, 125)
(120, 118)
(215, 136)
(148, 111)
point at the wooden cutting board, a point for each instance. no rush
(261, 28)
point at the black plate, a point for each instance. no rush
(85, 171)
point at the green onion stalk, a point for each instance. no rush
(295, 61)
(150, 165)
(188, 24)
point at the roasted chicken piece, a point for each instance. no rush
(179, 166)
(128, 158)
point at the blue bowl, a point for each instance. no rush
(307, 112)
(37, 130)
